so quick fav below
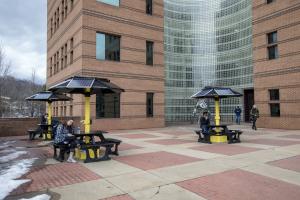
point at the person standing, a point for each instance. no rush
(238, 112)
(254, 114)
(44, 120)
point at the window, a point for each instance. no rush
(111, 2)
(275, 109)
(274, 94)
(71, 111)
(108, 105)
(149, 7)
(149, 104)
(270, 1)
(272, 37)
(273, 52)
(149, 53)
(107, 47)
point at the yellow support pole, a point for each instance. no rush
(218, 138)
(87, 113)
(48, 136)
(217, 111)
(49, 112)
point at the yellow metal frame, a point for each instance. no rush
(218, 138)
(48, 135)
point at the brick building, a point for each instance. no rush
(276, 52)
(114, 39)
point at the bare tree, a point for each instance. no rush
(4, 72)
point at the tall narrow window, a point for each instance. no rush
(149, 7)
(272, 45)
(274, 94)
(272, 37)
(71, 111)
(107, 47)
(275, 109)
(149, 104)
(270, 1)
(107, 105)
(149, 53)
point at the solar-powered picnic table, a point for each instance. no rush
(86, 86)
(48, 97)
(217, 93)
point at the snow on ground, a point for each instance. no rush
(6, 144)
(15, 171)
(39, 197)
(11, 156)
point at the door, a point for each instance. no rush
(248, 103)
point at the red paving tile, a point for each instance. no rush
(125, 146)
(273, 142)
(57, 175)
(291, 136)
(225, 149)
(155, 160)
(292, 163)
(120, 197)
(170, 141)
(138, 136)
(239, 184)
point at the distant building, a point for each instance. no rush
(276, 50)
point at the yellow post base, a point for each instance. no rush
(218, 138)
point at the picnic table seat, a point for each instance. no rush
(233, 136)
(113, 141)
(32, 133)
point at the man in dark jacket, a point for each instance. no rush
(204, 125)
(254, 114)
(238, 112)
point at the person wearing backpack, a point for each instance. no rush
(254, 114)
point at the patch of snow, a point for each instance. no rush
(15, 171)
(39, 197)
(7, 151)
(12, 156)
(6, 144)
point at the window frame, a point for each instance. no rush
(150, 63)
(149, 11)
(273, 96)
(273, 114)
(105, 58)
(150, 107)
(116, 111)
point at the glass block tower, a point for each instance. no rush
(206, 43)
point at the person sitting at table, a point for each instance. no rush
(64, 137)
(204, 125)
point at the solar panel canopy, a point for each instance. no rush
(48, 96)
(216, 92)
(79, 85)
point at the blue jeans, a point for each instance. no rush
(204, 129)
(238, 119)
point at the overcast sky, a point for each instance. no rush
(23, 36)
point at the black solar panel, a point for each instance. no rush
(211, 92)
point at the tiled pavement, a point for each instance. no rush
(168, 163)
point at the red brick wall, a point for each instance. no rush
(19, 126)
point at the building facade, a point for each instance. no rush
(276, 50)
(207, 43)
(121, 40)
